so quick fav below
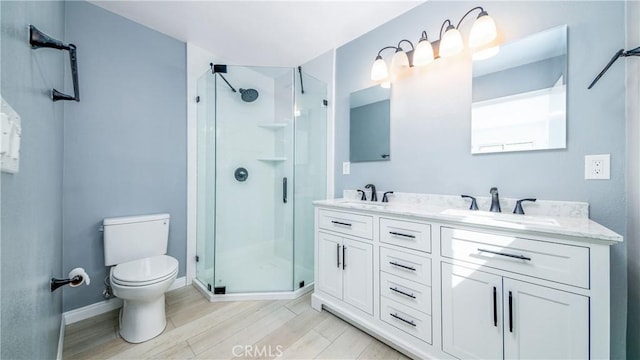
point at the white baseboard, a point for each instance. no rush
(61, 339)
(85, 312)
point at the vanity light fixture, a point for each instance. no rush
(423, 55)
(379, 71)
(482, 42)
(400, 60)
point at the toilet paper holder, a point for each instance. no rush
(56, 283)
(76, 277)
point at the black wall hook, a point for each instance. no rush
(616, 56)
(38, 39)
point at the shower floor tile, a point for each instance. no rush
(198, 329)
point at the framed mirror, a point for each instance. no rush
(519, 95)
(369, 124)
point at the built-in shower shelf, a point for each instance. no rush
(273, 158)
(272, 126)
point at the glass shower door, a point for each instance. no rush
(206, 176)
(254, 182)
(310, 170)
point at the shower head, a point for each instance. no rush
(249, 95)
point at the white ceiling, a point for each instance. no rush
(268, 33)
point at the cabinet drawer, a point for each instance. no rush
(406, 234)
(402, 317)
(346, 223)
(407, 266)
(561, 263)
(406, 292)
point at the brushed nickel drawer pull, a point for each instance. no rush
(521, 257)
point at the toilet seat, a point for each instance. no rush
(145, 271)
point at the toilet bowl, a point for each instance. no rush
(141, 285)
(135, 247)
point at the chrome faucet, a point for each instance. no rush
(374, 196)
(495, 201)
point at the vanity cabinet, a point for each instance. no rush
(485, 314)
(436, 286)
(346, 270)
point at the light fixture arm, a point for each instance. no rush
(442, 27)
(404, 40)
(482, 12)
(385, 48)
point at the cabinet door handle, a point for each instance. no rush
(340, 223)
(338, 255)
(402, 266)
(403, 235)
(402, 292)
(344, 257)
(495, 307)
(510, 312)
(410, 322)
(521, 257)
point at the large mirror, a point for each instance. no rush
(369, 124)
(519, 95)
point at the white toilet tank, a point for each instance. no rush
(135, 237)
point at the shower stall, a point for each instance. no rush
(261, 161)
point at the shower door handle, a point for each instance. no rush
(284, 190)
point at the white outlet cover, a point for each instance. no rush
(597, 167)
(346, 168)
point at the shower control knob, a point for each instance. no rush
(241, 174)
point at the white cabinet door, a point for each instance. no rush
(471, 313)
(330, 264)
(544, 323)
(358, 274)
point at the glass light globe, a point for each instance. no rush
(379, 71)
(483, 31)
(451, 43)
(399, 63)
(423, 55)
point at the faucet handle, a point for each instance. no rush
(385, 198)
(518, 209)
(474, 204)
(363, 196)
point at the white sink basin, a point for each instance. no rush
(365, 204)
(500, 217)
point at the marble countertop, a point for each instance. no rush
(575, 226)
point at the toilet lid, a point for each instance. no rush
(145, 271)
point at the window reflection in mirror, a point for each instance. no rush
(519, 95)
(369, 124)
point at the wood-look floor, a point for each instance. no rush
(199, 329)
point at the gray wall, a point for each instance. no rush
(633, 180)
(125, 142)
(31, 219)
(431, 111)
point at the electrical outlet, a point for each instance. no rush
(346, 168)
(597, 167)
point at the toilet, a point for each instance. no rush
(135, 247)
